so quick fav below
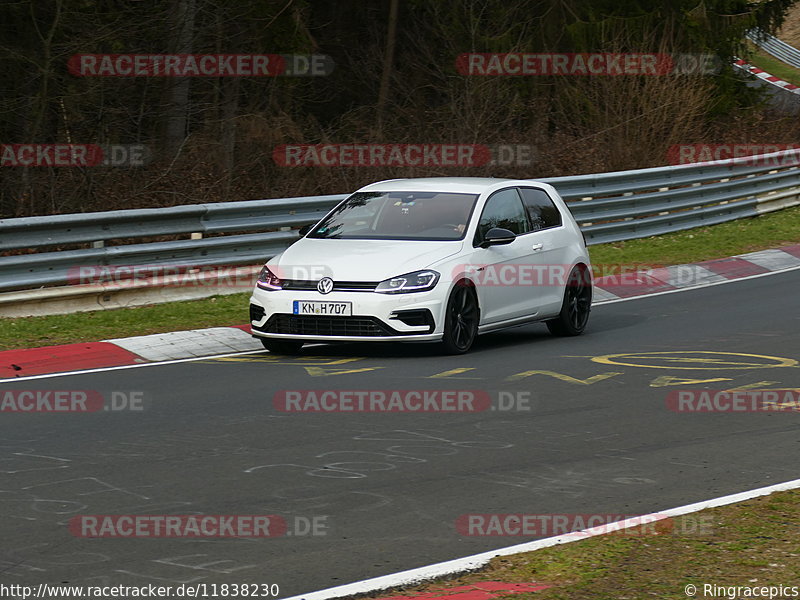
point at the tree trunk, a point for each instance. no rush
(388, 61)
(177, 109)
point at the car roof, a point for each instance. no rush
(474, 185)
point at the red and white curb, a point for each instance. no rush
(702, 274)
(138, 350)
(761, 74)
(215, 341)
(189, 344)
(481, 590)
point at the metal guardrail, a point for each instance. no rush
(609, 207)
(777, 48)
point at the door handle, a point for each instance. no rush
(537, 247)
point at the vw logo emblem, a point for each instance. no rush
(325, 285)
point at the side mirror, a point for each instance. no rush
(306, 228)
(497, 236)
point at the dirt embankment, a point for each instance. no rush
(790, 32)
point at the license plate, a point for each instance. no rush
(315, 307)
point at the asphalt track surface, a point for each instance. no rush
(598, 438)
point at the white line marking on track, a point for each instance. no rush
(696, 287)
(475, 561)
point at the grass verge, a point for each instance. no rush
(704, 243)
(775, 67)
(779, 228)
(752, 543)
(30, 332)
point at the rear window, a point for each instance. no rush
(542, 212)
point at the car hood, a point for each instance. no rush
(359, 260)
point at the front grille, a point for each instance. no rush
(338, 286)
(325, 325)
(256, 312)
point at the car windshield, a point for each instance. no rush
(399, 216)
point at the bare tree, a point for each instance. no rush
(388, 61)
(177, 109)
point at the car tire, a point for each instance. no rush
(287, 347)
(462, 316)
(576, 306)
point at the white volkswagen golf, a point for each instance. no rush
(423, 260)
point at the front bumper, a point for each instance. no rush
(375, 317)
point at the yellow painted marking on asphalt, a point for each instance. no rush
(720, 361)
(752, 386)
(666, 380)
(563, 377)
(320, 372)
(453, 372)
(342, 361)
(781, 405)
(695, 359)
(713, 361)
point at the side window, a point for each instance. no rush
(503, 209)
(541, 210)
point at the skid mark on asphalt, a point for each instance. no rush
(304, 499)
(283, 360)
(406, 448)
(544, 481)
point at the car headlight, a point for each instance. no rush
(418, 281)
(267, 280)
